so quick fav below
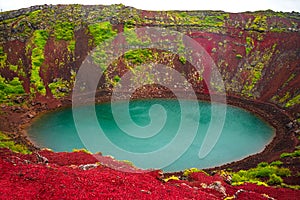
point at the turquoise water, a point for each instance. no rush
(243, 134)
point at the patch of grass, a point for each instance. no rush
(71, 46)
(276, 163)
(82, 150)
(37, 59)
(262, 171)
(182, 59)
(187, 172)
(293, 154)
(58, 87)
(294, 187)
(3, 58)
(7, 142)
(274, 180)
(64, 31)
(9, 89)
(293, 101)
(138, 56)
(13, 68)
(259, 23)
(250, 45)
(101, 32)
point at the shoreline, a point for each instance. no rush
(282, 141)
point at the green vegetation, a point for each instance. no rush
(171, 178)
(138, 56)
(238, 56)
(3, 58)
(259, 23)
(81, 150)
(13, 68)
(37, 58)
(182, 59)
(101, 32)
(261, 60)
(296, 153)
(7, 142)
(293, 101)
(9, 89)
(285, 97)
(250, 45)
(71, 46)
(64, 31)
(58, 87)
(276, 163)
(211, 22)
(274, 180)
(187, 172)
(262, 171)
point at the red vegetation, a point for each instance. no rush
(22, 177)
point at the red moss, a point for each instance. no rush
(21, 177)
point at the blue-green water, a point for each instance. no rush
(243, 134)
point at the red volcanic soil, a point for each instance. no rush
(22, 177)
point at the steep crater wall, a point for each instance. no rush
(42, 47)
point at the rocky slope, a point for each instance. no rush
(257, 54)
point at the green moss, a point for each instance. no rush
(37, 58)
(182, 59)
(101, 32)
(259, 23)
(260, 173)
(285, 97)
(82, 150)
(71, 46)
(138, 56)
(64, 31)
(294, 187)
(274, 180)
(261, 60)
(9, 89)
(238, 56)
(35, 14)
(187, 172)
(58, 87)
(3, 58)
(7, 142)
(13, 68)
(293, 101)
(276, 163)
(293, 154)
(250, 45)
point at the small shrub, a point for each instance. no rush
(274, 180)
(187, 172)
(81, 150)
(263, 164)
(276, 163)
(182, 59)
(7, 142)
(293, 154)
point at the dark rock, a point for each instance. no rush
(289, 125)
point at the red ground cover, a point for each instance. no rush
(62, 178)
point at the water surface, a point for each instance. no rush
(243, 133)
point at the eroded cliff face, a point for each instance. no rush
(257, 54)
